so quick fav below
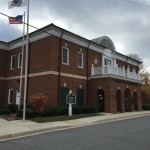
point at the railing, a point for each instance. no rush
(109, 70)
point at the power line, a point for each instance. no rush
(135, 3)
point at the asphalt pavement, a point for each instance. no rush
(19, 128)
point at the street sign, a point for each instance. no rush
(70, 99)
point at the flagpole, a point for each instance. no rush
(26, 63)
(21, 72)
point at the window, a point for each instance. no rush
(12, 64)
(107, 62)
(80, 60)
(65, 56)
(10, 96)
(19, 60)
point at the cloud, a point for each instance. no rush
(125, 23)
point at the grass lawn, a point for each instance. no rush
(62, 118)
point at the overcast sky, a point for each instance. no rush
(127, 24)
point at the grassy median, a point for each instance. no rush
(62, 118)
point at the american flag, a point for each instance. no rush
(16, 20)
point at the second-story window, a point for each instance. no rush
(12, 63)
(65, 56)
(19, 60)
(107, 62)
(80, 59)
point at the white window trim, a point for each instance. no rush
(82, 60)
(9, 95)
(19, 55)
(103, 61)
(67, 56)
(11, 68)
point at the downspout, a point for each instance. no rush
(87, 72)
(29, 55)
(59, 67)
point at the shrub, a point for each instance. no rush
(8, 109)
(83, 109)
(12, 108)
(38, 102)
(4, 111)
(30, 113)
(146, 107)
(55, 111)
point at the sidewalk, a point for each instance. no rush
(17, 128)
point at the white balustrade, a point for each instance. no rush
(115, 71)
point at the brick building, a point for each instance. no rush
(60, 61)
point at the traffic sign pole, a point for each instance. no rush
(70, 110)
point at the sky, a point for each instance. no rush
(125, 22)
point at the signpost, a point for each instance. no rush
(70, 99)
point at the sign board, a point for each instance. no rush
(70, 99)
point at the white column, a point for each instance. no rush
(133, 73)
(124, 71)
(115, 65)
(92, 70)
(117, 71)
(128, 72)
(139, 76)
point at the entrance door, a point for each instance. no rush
(101, 100)
(17, 97)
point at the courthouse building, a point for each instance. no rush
(60, 61)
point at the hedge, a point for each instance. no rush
(146, 107)
(4, 111)
(30, 113)
(83, 109)
(8, 109)
(56, 111)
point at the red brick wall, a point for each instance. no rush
(126, 64)
(73, 85)
(72, 68)
(16, 70)
(47, 85)
(92, 56)
(40, 56)
(110, 87)
(4, 62)
(45, 55)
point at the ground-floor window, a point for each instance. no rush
(80, 96)
(10, 96)
(64, 91)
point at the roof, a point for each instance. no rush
(103, 41)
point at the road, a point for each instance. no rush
(131, 134)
